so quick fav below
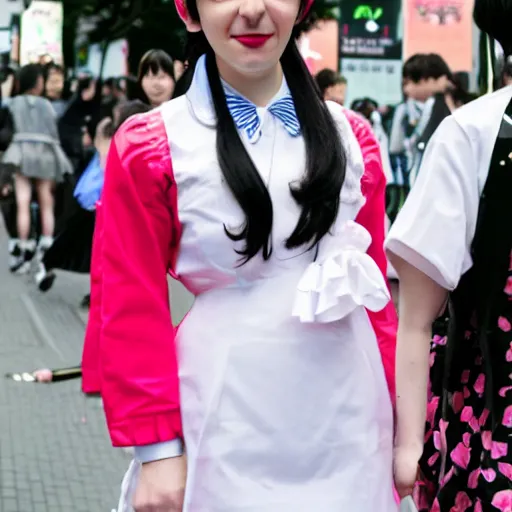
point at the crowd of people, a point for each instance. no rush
(292, 384)
(54, 132)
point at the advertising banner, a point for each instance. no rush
(371, 49)
(440, 26)
(371, 29)
(41, 33)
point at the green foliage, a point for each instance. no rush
(146, 24)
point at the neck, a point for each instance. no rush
(259, 88)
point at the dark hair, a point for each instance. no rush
(365, 107)
(437, 67)
(28, 76)
(129, 109)
(415, 67)
(493, 17)
(110, 82)
(423, 66)
(52, 66)
(328, 78)
(318, 194)
(155, 61)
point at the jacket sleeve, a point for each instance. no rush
(139, 236)
(90, 356)
(372, 216)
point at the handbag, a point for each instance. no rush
(88, 189)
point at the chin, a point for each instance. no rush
(255, 64)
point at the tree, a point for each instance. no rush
(104, 21)
(144, 23)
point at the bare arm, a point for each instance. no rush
(421, 301)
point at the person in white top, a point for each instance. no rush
(451, 245)
(246, 190)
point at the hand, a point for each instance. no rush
(161, 486)
(406, 469)
(89, 93)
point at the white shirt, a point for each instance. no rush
(435, 228)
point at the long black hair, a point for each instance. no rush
(318, 193)
(493, 17)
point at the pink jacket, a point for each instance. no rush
(372, 216)
(135, 245)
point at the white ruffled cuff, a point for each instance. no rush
(342, 278)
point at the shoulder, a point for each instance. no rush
(361, 128)
(338, 114)
(351, 191)
(370, 148)
(484, 113)
(142, 146)
(474, 128)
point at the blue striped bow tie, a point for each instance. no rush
(245, 115)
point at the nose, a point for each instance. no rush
(252, 11)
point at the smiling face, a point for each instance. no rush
(158, 87)
(248, 36)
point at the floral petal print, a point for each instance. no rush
(502, 500)
(473, 479)
(508, 287)
(483, 417)
(465, 377)
(489, 474)
(504, 324)
(499, 450)
(462, 502)
(437, 440)
(507, 417)
(432, 460)
(478, 506)
(467, 414)
(508, 356)
(479, 386)
(439, 340)
(457, 401)
(505, 390)
(432, 409)
(487, 440)
(460, 455)
(448, 476)
(505, 469)
(474, 424)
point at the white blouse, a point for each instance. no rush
(435, 228)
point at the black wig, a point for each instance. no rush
(493, 17)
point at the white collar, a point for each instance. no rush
(199, 95)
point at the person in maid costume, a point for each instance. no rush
(245, 189)
(452, 244)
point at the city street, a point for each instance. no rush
(55, 454)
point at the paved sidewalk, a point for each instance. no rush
(55, 454)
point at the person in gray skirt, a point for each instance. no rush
(36, 153)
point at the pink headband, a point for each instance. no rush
(182, 9)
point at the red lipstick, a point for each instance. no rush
(253, 40)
